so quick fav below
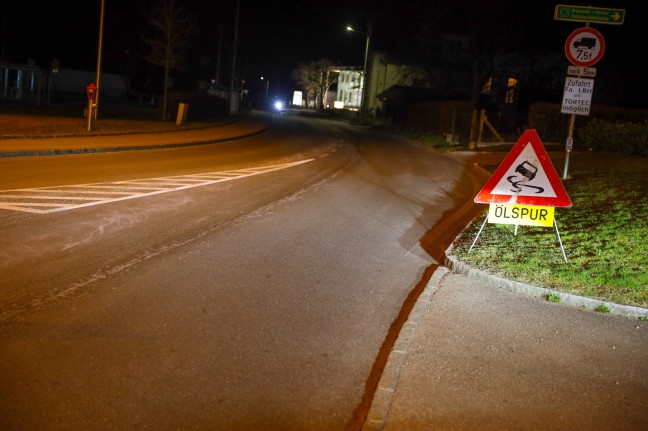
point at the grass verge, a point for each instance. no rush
(604, 235)
(38, 122)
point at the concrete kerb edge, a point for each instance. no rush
(383, 397)
(64, 152)
(456, 266)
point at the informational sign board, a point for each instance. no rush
(584, 47)
(523, 215)
(585, 72)
(596, 15)
(577, 97)
(525, 177)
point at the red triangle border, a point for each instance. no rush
(530, 136)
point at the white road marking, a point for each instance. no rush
(43, 200)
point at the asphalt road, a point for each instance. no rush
(258, 301)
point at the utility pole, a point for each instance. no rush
(231, 92)
(218, 57)
(365, 82)
(364, 68)
(101, 25)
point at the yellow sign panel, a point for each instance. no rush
(525, 215)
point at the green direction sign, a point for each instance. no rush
(589, 14)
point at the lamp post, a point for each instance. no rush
(99, 51)
(231, 91)
(364, 69)
(267, 85)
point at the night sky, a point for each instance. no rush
(276, 35)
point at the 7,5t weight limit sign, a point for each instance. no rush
(584, 47)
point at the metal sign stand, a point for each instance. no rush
(562, 248)
(560, 240)
(478, 233)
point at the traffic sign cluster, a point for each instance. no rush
(525, 188)
(584, 48)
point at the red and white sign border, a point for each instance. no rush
(487, 194)
(570, 40)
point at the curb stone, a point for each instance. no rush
(456, 266)
(377, 415)
(384, 393)
(97, 150)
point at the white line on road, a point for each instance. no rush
(26, 200)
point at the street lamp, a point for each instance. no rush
(99, 51)
(232, 109)
(267, 85)
(364, 70)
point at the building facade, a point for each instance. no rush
(29, 84)
(349, 86)
(383, 72)
(22, 83)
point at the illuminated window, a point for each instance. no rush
(511, 91)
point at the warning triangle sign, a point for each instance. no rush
(525, 177)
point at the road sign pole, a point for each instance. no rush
(89, 114)
(568, 146)
(572, 120)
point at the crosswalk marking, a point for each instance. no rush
(43, 200)
(77, 198)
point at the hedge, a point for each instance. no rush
(627, 138)
(605, 129)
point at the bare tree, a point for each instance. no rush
(303, 77)
(315, 78)
(172, 29)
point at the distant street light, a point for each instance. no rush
(364, 70)
(267, 85)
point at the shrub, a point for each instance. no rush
(627, 138)
(552, 125)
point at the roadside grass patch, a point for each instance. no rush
(604, 234)
(31, 122)
(602, 308)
